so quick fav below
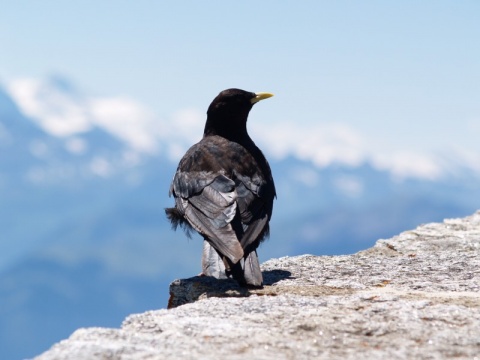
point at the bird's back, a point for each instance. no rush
(223, 189)
(245, 166)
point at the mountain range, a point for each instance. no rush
(84, 240)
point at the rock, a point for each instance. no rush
(416, 295)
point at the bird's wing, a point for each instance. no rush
(254, 200)
(208, 201)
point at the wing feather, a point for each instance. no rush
(226, 200)
(211, 212)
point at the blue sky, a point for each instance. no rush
(391, 81)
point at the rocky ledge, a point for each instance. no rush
(415, 296)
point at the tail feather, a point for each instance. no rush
(177, 219)
(252, 273)
(218, 266)
(212, 263)
(247, 272)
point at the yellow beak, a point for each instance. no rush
(260, 96)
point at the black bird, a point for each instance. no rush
(223, 189)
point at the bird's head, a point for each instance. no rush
(227, 114)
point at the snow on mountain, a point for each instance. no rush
(50, 137)
(63, 111)
(59, 109)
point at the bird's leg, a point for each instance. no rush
(235, 270)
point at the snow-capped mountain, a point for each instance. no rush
(83, 185)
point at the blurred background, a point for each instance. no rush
(373, 130)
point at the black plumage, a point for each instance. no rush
(223, 188)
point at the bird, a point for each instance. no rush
(223, 188)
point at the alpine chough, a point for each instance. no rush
(223, 189)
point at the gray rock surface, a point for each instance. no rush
(415, 296)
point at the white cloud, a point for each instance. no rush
(126, 119)
(52, 174)
(131, 158)
(306, 176)
(5, 136)
(189, 124)
(56, 111)
(404, 164)
(38, 149)
(184, 129)
(349, 185)
(461, 157)
(65, 113)
(323, 144)
(76, 145)
(326, 144)
(101, 167)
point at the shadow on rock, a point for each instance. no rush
(184, 291)
(271, 277)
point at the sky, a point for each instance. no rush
(395, 83)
